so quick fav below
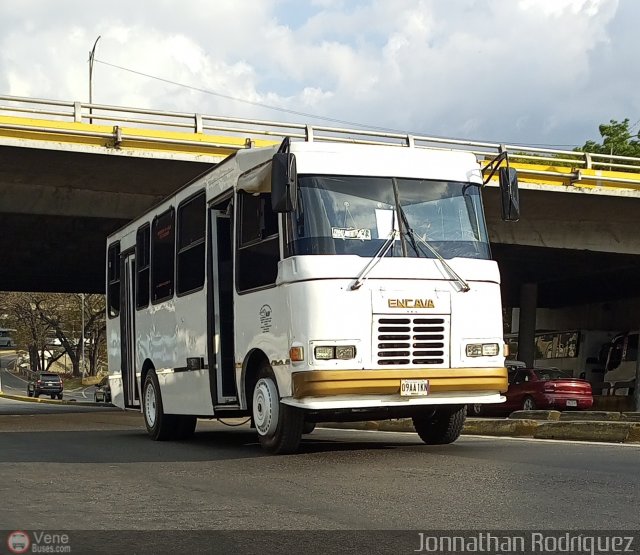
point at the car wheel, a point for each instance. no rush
(441, 426)
(29, 393)
(36, 394)
(53, 395)
(528, 404)
(474, 409)
(60, 396)
(308, 427)
(279, 426)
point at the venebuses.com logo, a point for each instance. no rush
(18, 541)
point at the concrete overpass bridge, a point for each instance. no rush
(71, 173)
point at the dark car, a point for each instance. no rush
(540, 388)
(102, 393)
(46, 383)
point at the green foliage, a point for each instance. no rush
(617, 139)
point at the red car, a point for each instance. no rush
(540, 388)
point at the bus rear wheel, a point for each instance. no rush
(279, 426)
(442, 426)
(161, 426)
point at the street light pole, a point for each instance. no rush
(92, 56)
(83, 365)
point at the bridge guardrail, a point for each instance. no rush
(135, 126)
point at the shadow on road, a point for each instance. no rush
(120, 446)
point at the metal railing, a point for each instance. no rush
(250, 129)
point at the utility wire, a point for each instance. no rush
(297, 113)
(228, 97)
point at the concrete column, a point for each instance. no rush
(527, 323)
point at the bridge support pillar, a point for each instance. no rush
(527, 323)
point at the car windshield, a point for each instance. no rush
(49, 377)
(546, 374)
(356, 215)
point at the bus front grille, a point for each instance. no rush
(411, 340)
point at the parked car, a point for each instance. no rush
(540, 388)
(46, 383)
(102, 393)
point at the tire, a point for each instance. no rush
(475, 409)
(36, 394)
(53, 395)
(308, 427)
(528, 404)
(441, 427)
(279, 426)
(29, 393)
(60, 396)
(160, 426)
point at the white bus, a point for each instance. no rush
(6, 338)
(317, 281)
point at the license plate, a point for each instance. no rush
(414, 388)
(572, 403)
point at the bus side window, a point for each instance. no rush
(191, 245)
(258, 246)
(615, 357)
(162, 256)
(143, 259)
(113, 279)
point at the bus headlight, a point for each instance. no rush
(345, 352)
(483, 350)
(330, 352)
(324, 353)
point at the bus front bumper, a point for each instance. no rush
(337, 389)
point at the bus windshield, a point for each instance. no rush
(356, 215)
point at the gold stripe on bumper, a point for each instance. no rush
(318, 383)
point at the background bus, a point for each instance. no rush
(6, 338)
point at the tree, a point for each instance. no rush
(617, 139)
(41, 318)
(32, 332)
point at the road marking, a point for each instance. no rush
(506, 438)
(572, 441)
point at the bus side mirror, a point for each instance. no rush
(509, 192)
(284, 178)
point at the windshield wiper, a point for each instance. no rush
(464, 286)
(403, 222)
(382, 252)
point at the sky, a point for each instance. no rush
(534, 72)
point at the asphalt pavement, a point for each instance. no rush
(99, 470)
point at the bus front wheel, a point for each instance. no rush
(442, 426)
(279, 426)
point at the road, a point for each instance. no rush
(98, 470)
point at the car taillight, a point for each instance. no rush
(39, 382)
(549, 387)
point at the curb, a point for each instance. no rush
(49, 401)
(613, 432)
(606, 416)
(607, 431)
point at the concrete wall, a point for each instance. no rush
(613, 315)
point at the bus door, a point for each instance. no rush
(220, 310)
(127, 331)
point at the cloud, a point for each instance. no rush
(504, 70)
